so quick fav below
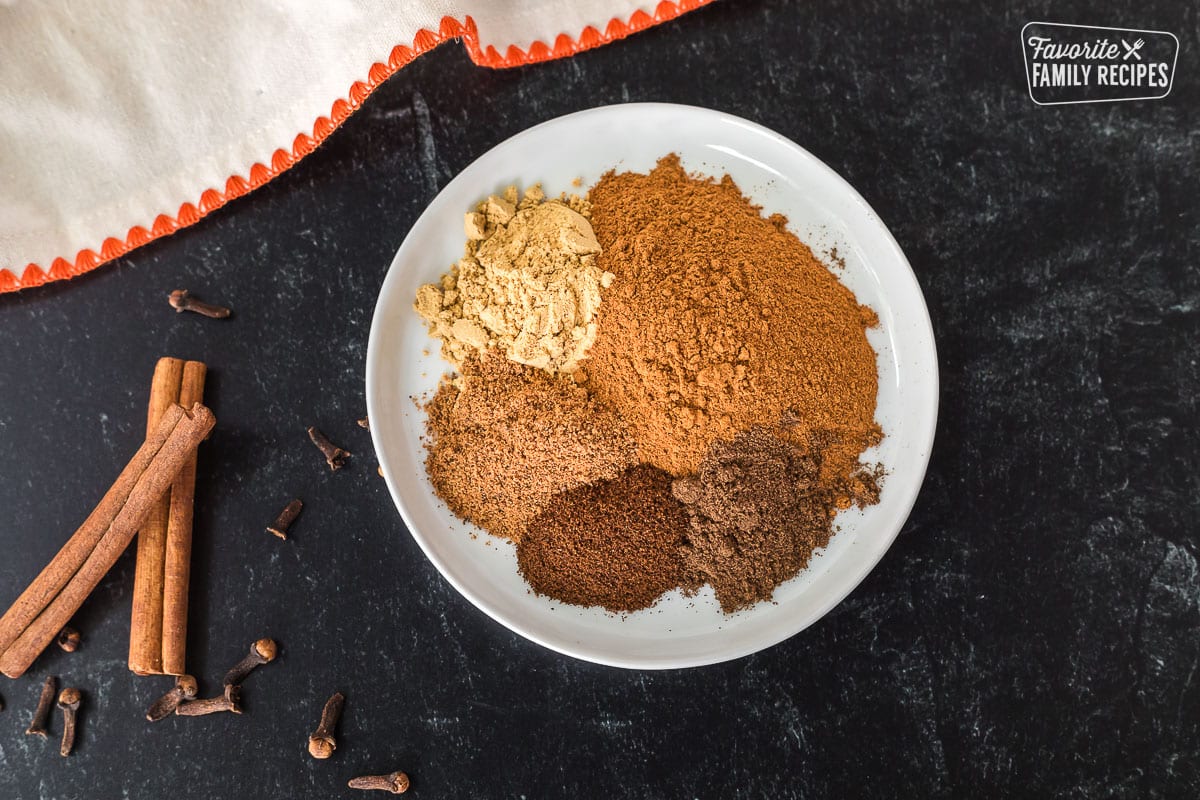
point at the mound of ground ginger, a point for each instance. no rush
(527, 284)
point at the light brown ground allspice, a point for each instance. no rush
(504, 438)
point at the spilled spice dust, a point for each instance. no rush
(719, 319)
(504, 438)
(614, 544)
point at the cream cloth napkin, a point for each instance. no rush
(123, 121)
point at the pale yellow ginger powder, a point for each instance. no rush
(527, 284)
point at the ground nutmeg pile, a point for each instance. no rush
(505, 438)
(661, 388)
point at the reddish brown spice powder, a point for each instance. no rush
(720, 319)
(615, 543)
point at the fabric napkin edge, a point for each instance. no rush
(237, 185)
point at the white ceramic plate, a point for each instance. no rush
(824, 211)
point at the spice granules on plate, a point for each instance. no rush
(527, 283)
(719, 319)
(503, 438)
(759, 510)
(711, 432)
(616, 543)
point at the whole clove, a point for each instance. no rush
(68, 639)
(42, 715)
(185, 688)
(69, 700)
(365, 423)
(228, 701)
(261, 652)
(182, 301)
(396, 783)
(335, 456)
(285, 519)
(322, 742)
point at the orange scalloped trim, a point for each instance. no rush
(281, 160)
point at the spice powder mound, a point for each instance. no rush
(527, 283)
(759, 510)
(503, 438)
(615, 543)
(719, 319)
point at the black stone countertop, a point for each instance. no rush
(1032, 633)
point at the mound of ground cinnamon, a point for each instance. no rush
(503, 438)
(758, 510)
(615, 543)
(719, 319)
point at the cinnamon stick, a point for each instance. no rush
(146, 618)
(57, 593)
(177, 571)
(68, 560)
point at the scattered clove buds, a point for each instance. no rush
(322, 743)
(285, 519)
(42, 715)
(68, 700)
(182, 301)
(396, 783)
(229, 700)
(185, 688)
(261, 652)
(335, 456)
(68, 639)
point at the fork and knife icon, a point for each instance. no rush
(1132, 50)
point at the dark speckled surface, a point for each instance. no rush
(1032, 633)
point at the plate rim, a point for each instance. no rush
(782, 632)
